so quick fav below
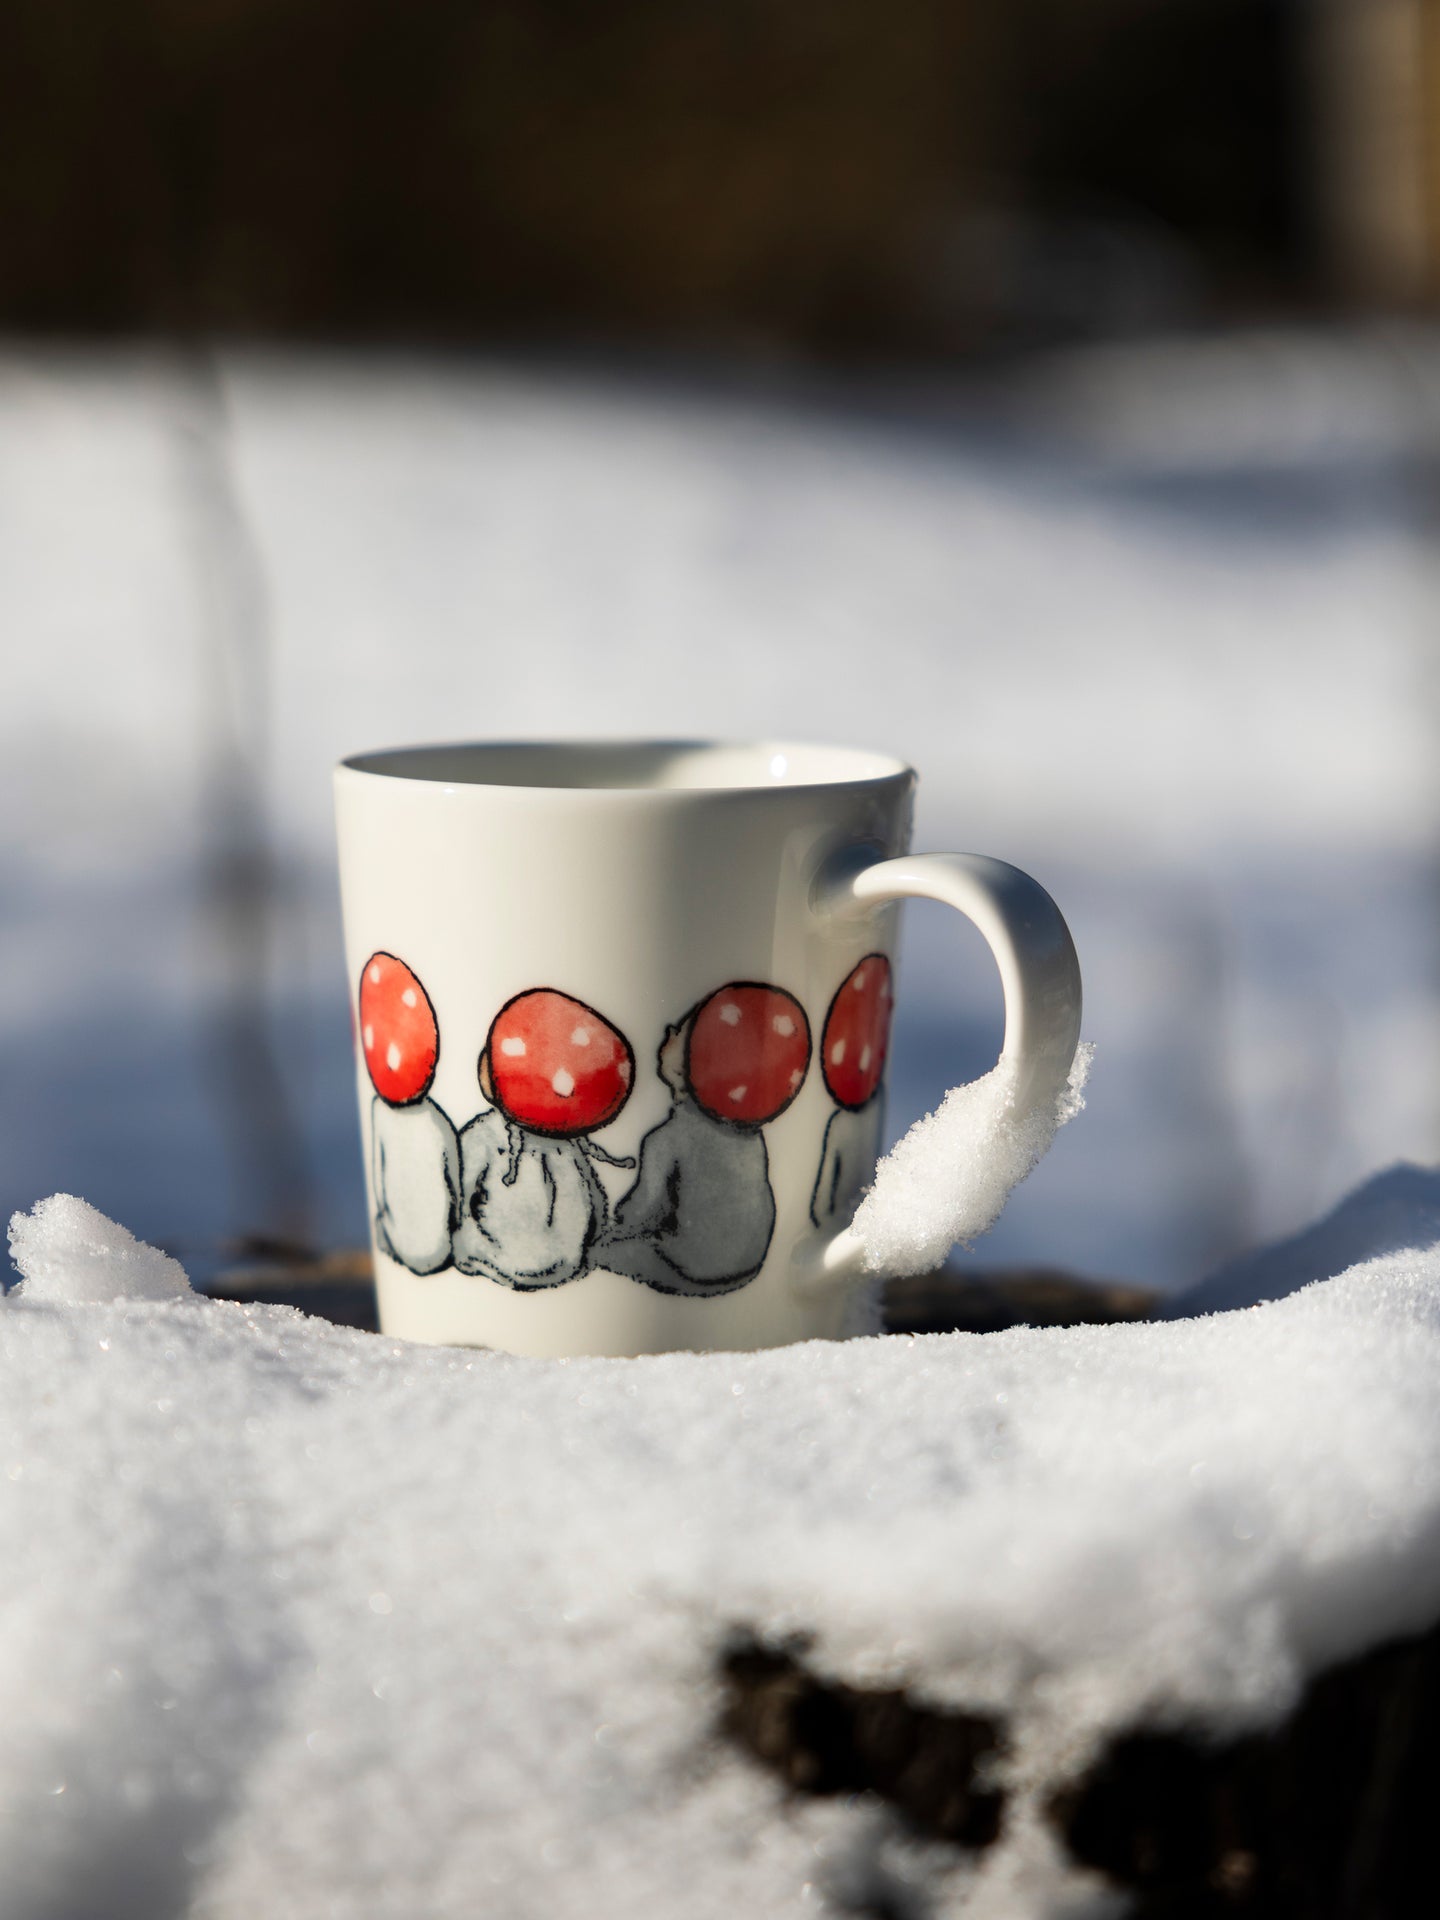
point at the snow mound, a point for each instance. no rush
(306, 1621)
(1396, 1210)
(945, 1182)
(68, 1254)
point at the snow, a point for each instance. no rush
(945, 1181)
(303, 1620)
(1397, 1209)
(69, 1254)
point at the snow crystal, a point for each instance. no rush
(945, 1181)
(308, 1621)
(68, 1253)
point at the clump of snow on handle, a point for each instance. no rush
(68, 1253)
(946, 1181)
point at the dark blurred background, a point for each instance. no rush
(835, 175)
(1047, 391)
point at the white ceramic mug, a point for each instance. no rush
(622, 1014)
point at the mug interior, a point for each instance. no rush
(632, 765)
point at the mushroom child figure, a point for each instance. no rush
(415, 1159)
(531, 1205)
(699, 1217)
(852, 1059)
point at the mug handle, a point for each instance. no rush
(1026, 932)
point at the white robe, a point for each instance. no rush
(847, 1162)
(530, 1206)
(415, 1176)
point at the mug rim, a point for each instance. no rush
(514, 766)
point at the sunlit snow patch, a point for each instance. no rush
(301, 1620)
(69, 1253)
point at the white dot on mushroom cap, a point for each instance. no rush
(860, 980)
(624, 1072)
(730, 1014)
(563, 1083)
(408, 996)
(369, 1039)
(514, 1046)
(784, 1025)
(580, 1037)
(864, 1058)
(837, 1053)
(738, 1093)
(374, 976)
(796, 1077)
(392, 1057)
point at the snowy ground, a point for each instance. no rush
(1158, 626)
(306, 1621)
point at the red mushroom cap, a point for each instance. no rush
(857, 1032)
(748, 1051)
(398, 1031)
(556, 1065)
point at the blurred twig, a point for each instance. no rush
(238, 882)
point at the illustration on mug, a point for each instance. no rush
(853, 1047)
(699, 1217)
(415, 1159)
(531, 1206)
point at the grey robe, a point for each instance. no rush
(699, 1217)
